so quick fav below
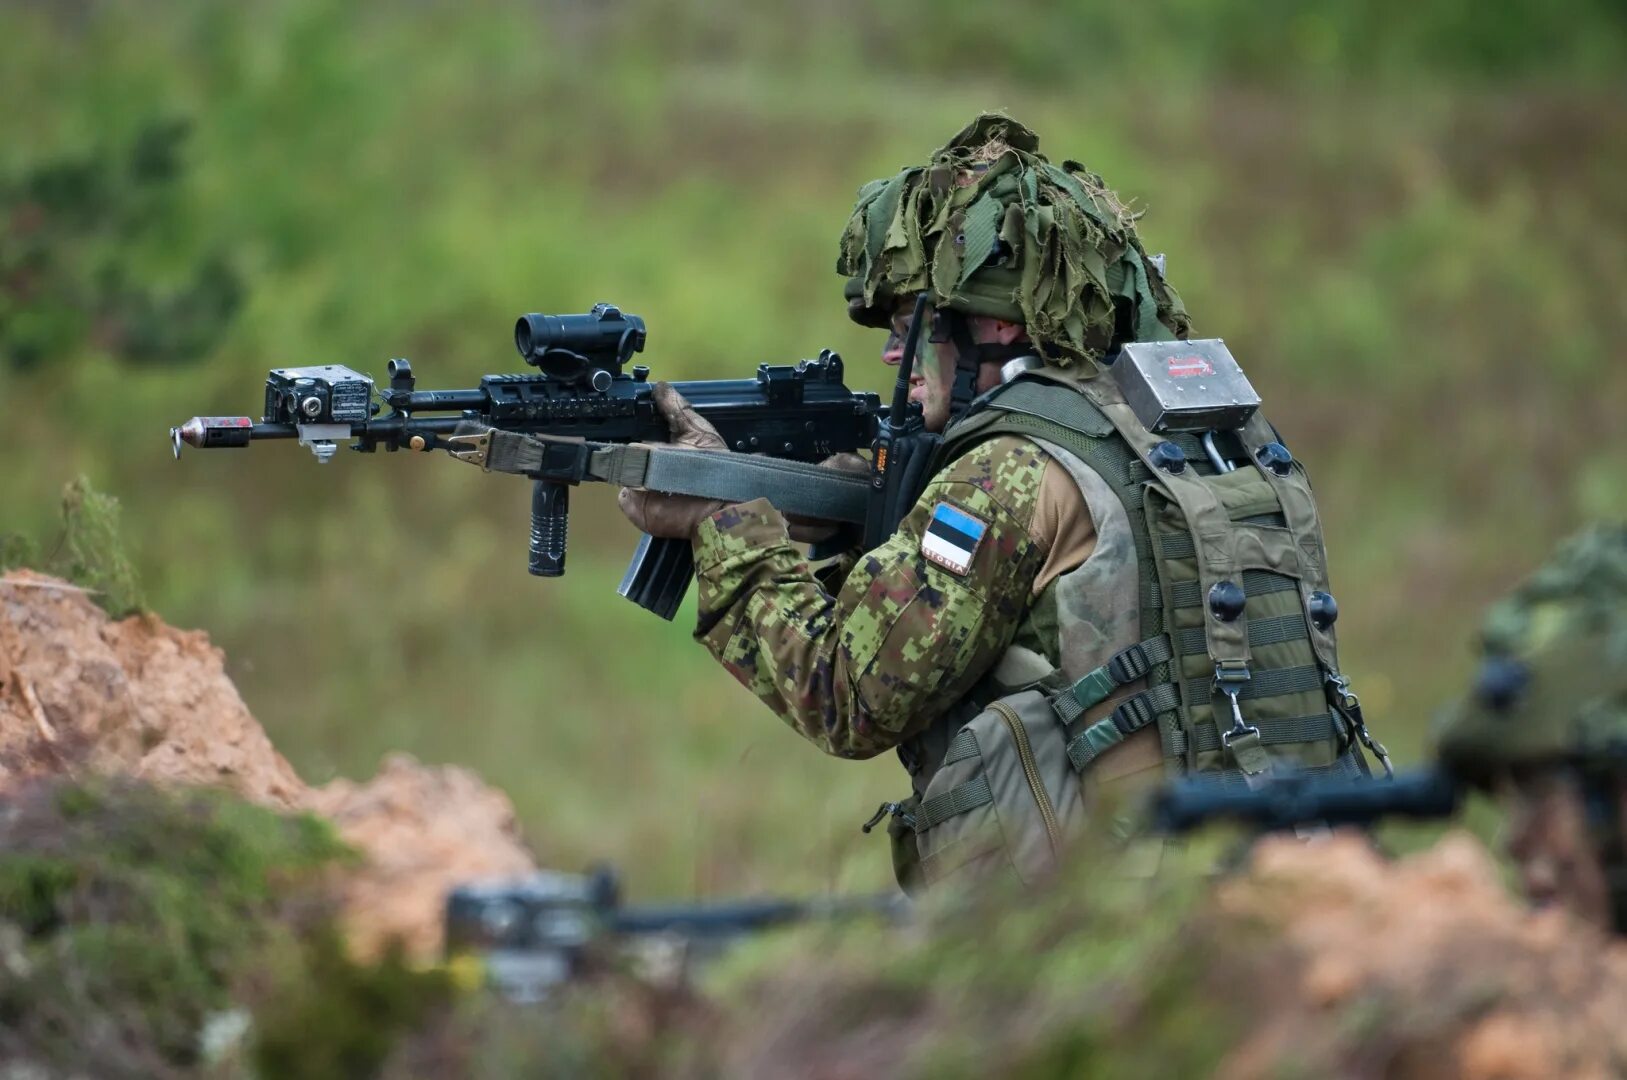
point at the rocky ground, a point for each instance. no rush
(82, 695)
(1318, 959)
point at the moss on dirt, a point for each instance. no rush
(131, 919)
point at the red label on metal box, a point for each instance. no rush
(1184, 367)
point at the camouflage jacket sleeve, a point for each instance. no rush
(905, 638)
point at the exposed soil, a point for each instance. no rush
(82, 695)
(1421, 967)
(424, 830)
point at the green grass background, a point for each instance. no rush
(1409, 222)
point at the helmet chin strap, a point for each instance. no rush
(971, 355)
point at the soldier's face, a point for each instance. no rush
(1549, 840)
(932, 377)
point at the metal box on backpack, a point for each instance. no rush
(1185, 385)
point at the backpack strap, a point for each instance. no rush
(1219, 564)
(1293, 490)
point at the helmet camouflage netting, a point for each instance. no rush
(1552, 686)
(991, 227)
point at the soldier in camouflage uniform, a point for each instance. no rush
(1546, 726)
(1031, 269)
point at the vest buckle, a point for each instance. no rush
(896, 809)
(1230, 677)
(1242, 740)
(1348, 705)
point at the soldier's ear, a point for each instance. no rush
(1007, 332)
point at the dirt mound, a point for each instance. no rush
(425, 830)
(83, 695)
(80, 693)
(1425, 966)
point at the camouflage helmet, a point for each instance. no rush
(1552, 684)
(990, 227)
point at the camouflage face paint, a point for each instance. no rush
(1548, 838)
(935, 368)
(932, 376)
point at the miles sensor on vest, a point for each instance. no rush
(1185, 385)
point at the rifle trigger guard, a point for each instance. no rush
(478, 447)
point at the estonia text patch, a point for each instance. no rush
(951, 538)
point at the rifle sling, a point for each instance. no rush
(794, 487)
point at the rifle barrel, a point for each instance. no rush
(1299, 799)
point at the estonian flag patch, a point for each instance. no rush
(951, 538)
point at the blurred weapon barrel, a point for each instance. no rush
(533, 934)
(1301, 799)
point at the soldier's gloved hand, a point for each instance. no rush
(675, 517)
(807, 530)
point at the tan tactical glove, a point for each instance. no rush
(674, 516)
(807, 530)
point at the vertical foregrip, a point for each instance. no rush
(550, 512)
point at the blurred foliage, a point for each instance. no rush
(94, 554)
(118, 955)
(329, 1017)
(1092, 975)
(89, 550)
(1408, 221)
(73, 230)
(151, 934)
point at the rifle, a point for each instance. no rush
(535, 933)
(1295, 799)
(575, 420)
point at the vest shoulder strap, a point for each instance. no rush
(1033, 406)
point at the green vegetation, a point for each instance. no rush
(85, 242)
(131, 921)
(1407, 220)
(1095, 975)
(89, 550)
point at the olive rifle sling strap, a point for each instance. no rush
(794, 487)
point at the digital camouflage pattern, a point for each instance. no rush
(904, 639)
(990, 227)
(1552, 687)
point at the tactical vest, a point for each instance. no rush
(1204, 611)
